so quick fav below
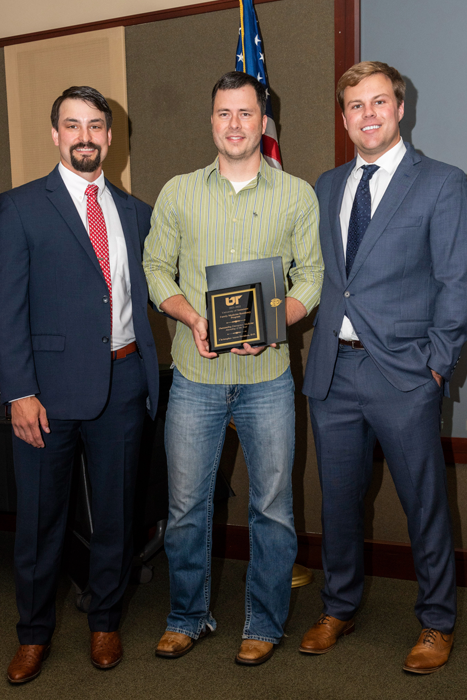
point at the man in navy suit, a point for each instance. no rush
(77, 358)
(389, 331)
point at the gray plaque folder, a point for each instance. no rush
(268, 271)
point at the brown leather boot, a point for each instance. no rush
(27, 662)
(254, 652)
(323, 636)
(106, 649)
(430, 653)
(172, 645)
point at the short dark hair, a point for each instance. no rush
(354, 75)
(235, 80)
(83, 92)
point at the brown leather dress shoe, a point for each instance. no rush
(430, 653)
(172, 645)
(27, 662)
(323, 636)
(106, 649)
(253, 652)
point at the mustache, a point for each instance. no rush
(86, 164)
(83, 144)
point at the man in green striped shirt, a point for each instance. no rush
(238, 208)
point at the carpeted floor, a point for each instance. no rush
(364, 666)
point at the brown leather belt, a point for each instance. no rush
(123, 352)
(355, 344)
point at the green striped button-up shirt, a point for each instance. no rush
(198, 220)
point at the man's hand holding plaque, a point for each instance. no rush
(244, 317)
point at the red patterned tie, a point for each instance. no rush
(98, 236)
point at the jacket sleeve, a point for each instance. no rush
(17, 372)
(448, 243)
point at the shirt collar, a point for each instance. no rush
(76, 185)
(265, 171)
(389, 161)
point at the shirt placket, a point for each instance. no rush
(238, 220)
(232, 206)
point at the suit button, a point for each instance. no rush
(105, 339)
(346, 294)
(105, 300)
(335, 332)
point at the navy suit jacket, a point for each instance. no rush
(406, 294)
(55, 321)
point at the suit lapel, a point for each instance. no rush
(397, 190)
(128, 218)
(58, 194)
(127, 213)
(335, 204)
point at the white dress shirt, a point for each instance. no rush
(388, 164)
(122, 312)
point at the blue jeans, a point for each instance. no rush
(197, 417)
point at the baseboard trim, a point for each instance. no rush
(455, 450)
(389, 559)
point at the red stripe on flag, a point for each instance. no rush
(271, 148)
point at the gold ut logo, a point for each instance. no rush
(231, 301)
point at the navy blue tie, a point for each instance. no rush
(360, 215)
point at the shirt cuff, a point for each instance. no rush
(307, 294)
(165, 288)
(29, 396)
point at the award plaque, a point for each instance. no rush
(267, 273)
(235, 316)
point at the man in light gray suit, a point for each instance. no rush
(389, 330)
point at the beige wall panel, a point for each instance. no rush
(28, 16)
(38, 72)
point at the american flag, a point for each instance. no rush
(250, 59)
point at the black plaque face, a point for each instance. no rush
(235, 316)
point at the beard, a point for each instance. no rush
(86, 164)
